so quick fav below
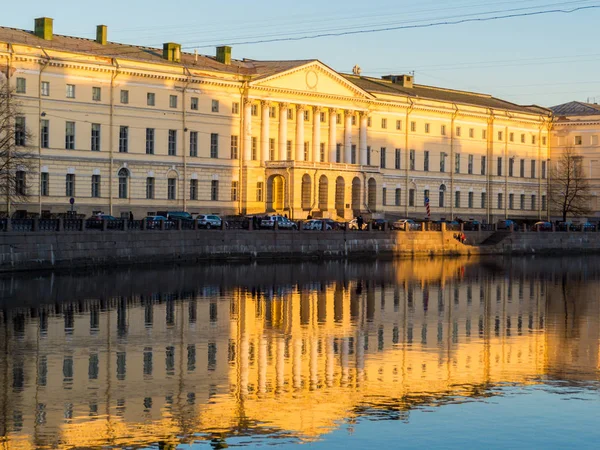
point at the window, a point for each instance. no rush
(522, 138)
(321, 150)
(511, 201)
(483, 165)
(382, 154)
(21, 86)
(171, 189)
(470, 200)
(214, 190)
(533, 168)
(123, 183)
(273, 113)
(288, 151)
(499, 167)
(234, 147)
(172, 101)
(511, 164)
(441, 196)
(150, 188)
(70, 135)
(235, 108)
(384, 196)
(70, 91)
(471, 132)
(483, 134)
(457, 163)
(307, 116)
(150, 99)
(323, 117)
(124, 96)
(70, 185)
(45, 133)
(425, 197)
(457, 199)
(522, 201)
(254, 148)
(368, 121)
(544, 203)
(522, 168)
(545, 141)
(398, 196)
(95, 143)
(533, 140)
(368, 155)
(95, 186)
(307, 152)
(45, 88)
(194, 103)
(458, 131)
(44, 184)
(470, 165)
(193, 143)
(511, 137)
(443, 130)
(413, 126)
(172, 143)
(214, 145)
(412, 158)
(500, 200)
(442, 162)
(20, 131)
(500, 135)
(193, 189)
(149, 141)
(533, 203)
(397, 159)
(254, 109)
(427, 126)
(20, 182)
(214, 106)
(123, 139)
(411, 197)
(234, 190)
(384, 123)
(543, 171)
(426, 160)
(483, 200)
(398, 125)
(96, 94)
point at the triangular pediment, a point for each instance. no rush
(313, 77)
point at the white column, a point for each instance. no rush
(283, 119)
(247, 130)
(363, 138)
(264, 135)
(348, 137)
(316, 137)
(332, 134)
(300, 133)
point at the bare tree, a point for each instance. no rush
(568, 186)
(15, 155)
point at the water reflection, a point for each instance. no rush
(286, 352)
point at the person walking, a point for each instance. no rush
(359, 222)
(131, 216)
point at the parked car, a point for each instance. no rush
(95, 221)
(282, 222)
(470, 225)
(378, 224)
(542, 226)
(353, 225)
(506, 224)
(316, 224)
(176, 215)
(588, 226)
(153, 222)
(209, 221)
(403, 224)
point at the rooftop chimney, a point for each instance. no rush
(43, 28)
(172, 52)
(224, 55)
(101, 33)
(403, 80)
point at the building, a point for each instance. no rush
(577, 126)
(123, 128)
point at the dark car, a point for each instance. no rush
(154, 222)
(176, 215)
(95, 221)
(471, 225)
(542, 226)
(378, 224)
(506, 224)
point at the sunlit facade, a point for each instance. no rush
(126, 129)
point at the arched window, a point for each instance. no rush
(123, 183)
(442, 194)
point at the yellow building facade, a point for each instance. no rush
(122, 129)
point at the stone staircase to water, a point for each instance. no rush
(495, 238)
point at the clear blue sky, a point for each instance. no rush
(544, 59)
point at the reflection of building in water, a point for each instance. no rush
(137, 370)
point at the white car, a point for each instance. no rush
(404, 224)
(316, 224)
(209, 221)
(353, 225)
(282, 222)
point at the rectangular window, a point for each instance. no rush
(45, 88)
(442, 162)
(70, 91)
(44, 184)
(398, 125)
(307, 116)
(522, 168)
(193, 189)
(426, 161)
(483, 200)
(288, 151)
(235, 109)
(214, 106)
(443, 130)
(150, 188)
(471, 132)
(533, 140)
(511, 164)
(522, 201)
(522, 138)
(543, 171)
(533, 168)
(235, 189)
(214, 190)
(457, 199)
(214, 145)
(20, 182)
(441, 197)
(397, 159)
(483, 134)
(20, 131)
(500, 135)
(150, 99)
(369, 122)
(412, 158)
(384, 123)
(124, 96)
(483, 165)
(384, 196)
(545, 141)
(272, 156)
(321, 151)
(470, 200)
(458, 131)
(353, 154)
(45, 133)
(500, 200)
(234, 147)
(123, 139)
(273, 112)
(149, 141)
(260, 191)
(172, 143)
(499, 167)
(427, 127)
(95, 144)
(254, 109)
(97, 94)
(194, 103)
(413, 126)
(511, 137)
(398, 197)
(70, 185)
(254, 148)
(543, 203)
(95, 186)
(172, 101)
(368, 155)
(533, 203)
(411, 197)
(382, 155)
(171, 189)
(511, 201)
(470, 165)
(193, 143)
(457, 163)
(323, 118)
(21, 85)
(70, 135)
